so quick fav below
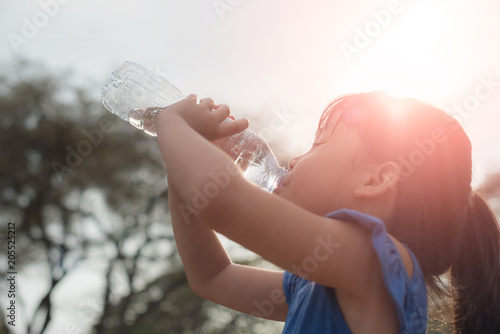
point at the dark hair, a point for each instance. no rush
(475, 272)
(448, 226)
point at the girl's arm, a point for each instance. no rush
(201, 253)
(210, 272)
(213, 276)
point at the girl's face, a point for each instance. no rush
(324, 178)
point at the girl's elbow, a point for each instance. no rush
(197, 289)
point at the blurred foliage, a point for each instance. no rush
(88, 193)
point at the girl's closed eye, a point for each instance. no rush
(317, 143)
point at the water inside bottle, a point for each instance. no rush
(263, 172)
(144, 119)
(255, 158)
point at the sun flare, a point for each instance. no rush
(408, 57)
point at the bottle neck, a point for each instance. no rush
(279, 176)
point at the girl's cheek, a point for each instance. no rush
(293, 162)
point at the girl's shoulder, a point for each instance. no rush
(402, 274)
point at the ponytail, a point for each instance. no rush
(475, 275)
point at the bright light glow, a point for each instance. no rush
(407, 58)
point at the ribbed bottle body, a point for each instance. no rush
(137, 95)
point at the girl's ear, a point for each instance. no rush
(379, 180)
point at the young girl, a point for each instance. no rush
(368, 220)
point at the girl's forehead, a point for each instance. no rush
(327, 126)
(332, 118)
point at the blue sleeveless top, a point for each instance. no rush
(313, 308)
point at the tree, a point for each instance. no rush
(88, 192)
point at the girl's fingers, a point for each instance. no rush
(222, 112)
(230, 128)
(207, 102)
(208, 120)
(193, 97)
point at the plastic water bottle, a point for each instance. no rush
(137, 95)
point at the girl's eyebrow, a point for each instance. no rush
(328, 126)
(320, 136)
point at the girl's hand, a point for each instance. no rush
(203, 117)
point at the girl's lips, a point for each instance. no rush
(278, 189)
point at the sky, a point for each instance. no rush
(280, 59)
(280, 62)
